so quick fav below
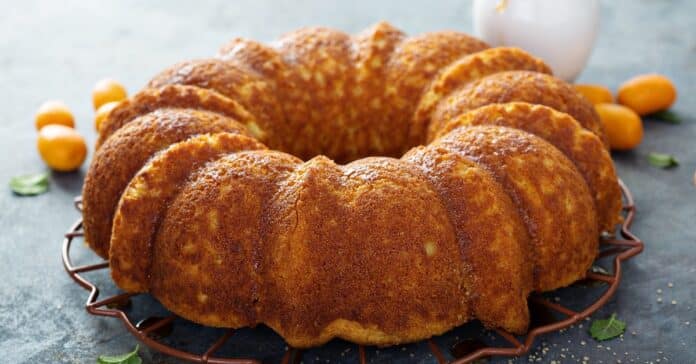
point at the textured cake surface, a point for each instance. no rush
(378, 188)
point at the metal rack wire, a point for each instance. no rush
(621, 249)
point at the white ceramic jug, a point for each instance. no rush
(561, 32)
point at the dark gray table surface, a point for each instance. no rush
(56, 49)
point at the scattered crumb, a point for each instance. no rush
(674, 302)
(670, 284)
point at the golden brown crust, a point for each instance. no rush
(525, 86)
(476, 205)
(350, 97)
(411, 68)
(317, 81)
(125, 152)
(340, 262)
(255, 93)
(549, 193)
(255, 57)
(582, 147)
(468, 69)
(209, 248)
(147, 196)
(371, 127)
(170, 96)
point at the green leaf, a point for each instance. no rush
(128, 358)
(607, 329)
(662, 160)
(665, 115)
(30, 185)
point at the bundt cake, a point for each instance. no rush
(467, 177)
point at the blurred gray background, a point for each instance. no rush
(59, 49)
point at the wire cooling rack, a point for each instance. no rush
(148, 331)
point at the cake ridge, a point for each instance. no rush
(467, 69)
(126, 151)
(581, 146)
(137, 221)
(534, 193)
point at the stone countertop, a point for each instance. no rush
(60, 49)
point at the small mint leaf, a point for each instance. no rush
(607, 329)
(665, 115)
(30, 184)
(128, 358)
(662, 160)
